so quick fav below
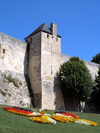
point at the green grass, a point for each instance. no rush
(13, 123)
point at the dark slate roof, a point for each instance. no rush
(44, 27)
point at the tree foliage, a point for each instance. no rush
(97, 90)
(97, 80)
(96, 58)
(75, 79)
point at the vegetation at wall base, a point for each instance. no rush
(13, 123)
(10, 79)
(75, 79)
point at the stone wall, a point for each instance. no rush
(44, 63)
(52, 97)
(12, 54)
(39, 61)
(34, 68)
(13, 89)
(13, 72)
(92, 67)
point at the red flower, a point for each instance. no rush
(17, 111)
(70, 114)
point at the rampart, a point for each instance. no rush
(12, 54)
(69, 102)
(13, 72)
(93, 67)
(34, 65)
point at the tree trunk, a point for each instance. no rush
(74, 104)
(79, 105)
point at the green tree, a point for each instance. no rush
(76, 81)
(97, 80)
(97, 90)
(96, 58)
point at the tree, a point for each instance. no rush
(97, 80)
(96, 58)
(97, 90)
(75, 79)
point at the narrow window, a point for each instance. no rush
(26, 41)
(3, 50)
(51, 70)
(52, 37)
(47, 36)
(31, 40)
(56, 39)
(0, 50)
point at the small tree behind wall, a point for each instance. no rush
(96, 58)
(75, 79)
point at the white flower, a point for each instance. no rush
(62, 115)
(35, 113)
(47, 114)
(51, 120)
(40, 110)
(82, 122)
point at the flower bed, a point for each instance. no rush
(22, 111)
(43, 119)
(70, 114)
(64, 118)
(86, 122)
(61, 119)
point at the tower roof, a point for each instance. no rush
(44, 27)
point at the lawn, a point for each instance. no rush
(13, 123)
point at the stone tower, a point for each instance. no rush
(44, 64)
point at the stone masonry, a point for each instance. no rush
(13, 68)
(44, 63)
(38, 60)
(92, 67)
(52, 97)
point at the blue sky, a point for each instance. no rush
(78, 22)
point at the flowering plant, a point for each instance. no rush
(86, 122)
(46, 109)
(42, 112)
(43, 119)
(70, 114)
(63, 118)
(21, 111)
(47, 115)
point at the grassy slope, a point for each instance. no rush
(13, 123)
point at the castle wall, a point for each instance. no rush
(34, 68)
(13, 68)
(13, 89)
(12, 54)
(39, 61)
(52, 97)
(92, 67)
